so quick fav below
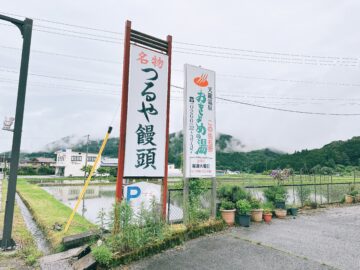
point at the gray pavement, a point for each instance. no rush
(324, 239)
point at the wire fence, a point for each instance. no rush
(299, 194)
(199, 205)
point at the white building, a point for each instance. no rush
(69, 163)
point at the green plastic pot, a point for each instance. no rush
(242, 220)
(293, 211)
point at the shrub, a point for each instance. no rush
(255, 203)
(102, 254)
(268, 207)
(136, 230)
(303, 193)
(197, 211)
(354, 193)
(275, 192)
(243, 207)
(227, 205)
(232, 193)
(45, 170)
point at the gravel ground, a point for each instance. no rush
(324, 239)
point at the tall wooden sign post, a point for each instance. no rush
(199, 131)
(145, 107)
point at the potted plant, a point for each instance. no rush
(313, 205)
(280, 200)
(293, 210)
(268, 211)
(242, 216)
(357, 197)
(280, 213)
(227, 210)
(267, 215)
(256, 210)
(349, 198)
(351, 195)
(277, 194)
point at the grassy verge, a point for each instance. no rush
(178, 235)
(48, 211)
(27, 247)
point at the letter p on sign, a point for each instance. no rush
(132, 193)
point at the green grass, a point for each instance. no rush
(58, 179)
(247, 179)
(27, 247)
(265, 180)
(47, 211)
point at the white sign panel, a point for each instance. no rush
(146, 113)
(142, 194)
(199, 122)
(8, 122)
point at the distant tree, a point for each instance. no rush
(45, 170)
(326, 170)
(87, 169)
(27, 171)
(102, 170)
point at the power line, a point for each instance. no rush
(280, 109)
(61, 78)
(286, 110)
(264, 52)
(77, 32)
(65, 24)
(309, 59)
(225, 93)
(71, 56)
(256, 105)
(69, 35)
(264, 59)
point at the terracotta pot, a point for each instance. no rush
(257, 215)
(267, 217)
(280, 213)
(228, 216)
(349, 199)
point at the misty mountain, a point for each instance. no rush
(229, 155)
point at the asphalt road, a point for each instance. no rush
(324, 239)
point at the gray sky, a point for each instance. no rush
(284, 58)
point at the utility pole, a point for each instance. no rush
(25, 28)
(85, 176)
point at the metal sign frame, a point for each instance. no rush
(159, 45)
(186, 179)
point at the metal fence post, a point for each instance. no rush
(320, 191)
(186, 201)
(213, 197)
(168, 206)
(328, 194)
(315, 187)
(301, 191)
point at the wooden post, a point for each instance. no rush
(165, 181)
(123, 118)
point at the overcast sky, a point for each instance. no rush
(294, 55)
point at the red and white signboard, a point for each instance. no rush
(146, 115)
(199, 123)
